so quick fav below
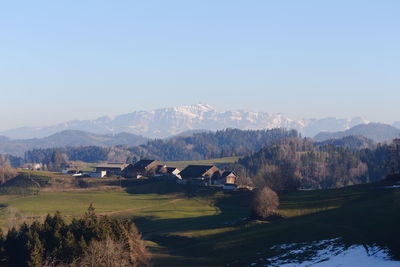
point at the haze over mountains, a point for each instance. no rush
(135, 128)
(68, 138)
(165, 122)
(377, 132)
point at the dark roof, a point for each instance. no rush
(195, 170)
(142, 164)
(171, 169)
(120, 166)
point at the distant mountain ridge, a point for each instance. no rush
(377, 132)
(351, 142)
(167, 122)
(68, 138)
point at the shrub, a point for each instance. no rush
(265, 203)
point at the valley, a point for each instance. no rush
(197, 226)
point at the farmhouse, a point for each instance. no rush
(111, 168)
(224, 177)
(200, 174)
(228, 177)
(142, 168)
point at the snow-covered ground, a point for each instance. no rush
(326, 253)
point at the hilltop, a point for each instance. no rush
(377, 132)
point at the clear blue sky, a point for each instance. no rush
(62, 60)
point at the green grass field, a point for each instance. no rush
(197, 226)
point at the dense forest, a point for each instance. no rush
(225, 143)
(299, 163)
(351, 142)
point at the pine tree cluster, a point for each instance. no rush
(55, 242)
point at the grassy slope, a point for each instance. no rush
(191, 226)
(360, 215)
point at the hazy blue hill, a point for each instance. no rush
(377, 132)
(68, 138)
(81, 138)
(190, 133)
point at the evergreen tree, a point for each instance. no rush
(56, 242)
(35, 251)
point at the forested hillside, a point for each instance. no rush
(351, 142)
(198, 146)
(296, 162)
(278, 158)
(225, 143)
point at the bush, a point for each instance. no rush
(265, 203)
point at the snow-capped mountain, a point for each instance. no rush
(166, 122)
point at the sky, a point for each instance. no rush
(64, 60)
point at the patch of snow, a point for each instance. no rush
(327, 253)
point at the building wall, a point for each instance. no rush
(110, 171)
(230, 179)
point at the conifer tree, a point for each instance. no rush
(35, 251)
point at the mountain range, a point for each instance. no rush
(135, 128)
(166, 122)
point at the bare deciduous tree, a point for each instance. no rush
(265, 203)
(138, 253)
(105, 253)
(111, 253)
(7, 173)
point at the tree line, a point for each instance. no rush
(199, 146)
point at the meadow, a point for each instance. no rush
(196, 226)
